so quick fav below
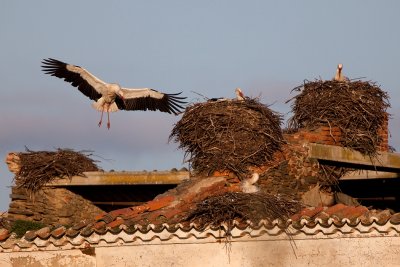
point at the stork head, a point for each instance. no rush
(339, 66)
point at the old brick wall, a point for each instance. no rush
(294, 175)
(50, 206)
(331, 136)
(384, 134)
(322, 135)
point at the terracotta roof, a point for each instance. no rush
(160, 220)
(117, 227)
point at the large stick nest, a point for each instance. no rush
(41, 167)
(238, 206)
(228, 135)
(358, 108)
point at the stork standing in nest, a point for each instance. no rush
(339, 75)
(111, 97)
(239, 94)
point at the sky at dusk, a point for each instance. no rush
(200, 48)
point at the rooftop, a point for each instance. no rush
(119, 227)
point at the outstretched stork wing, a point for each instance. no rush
(150, 99)
(87, 83)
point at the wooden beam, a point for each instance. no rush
(384, 161)
(123, 178)
(363, 175)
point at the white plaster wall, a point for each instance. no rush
(372, 251)
(321, 252)
(62, 258)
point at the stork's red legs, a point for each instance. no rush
(108, 117)
(108, 122)
(101, 117)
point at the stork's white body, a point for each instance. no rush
(239, 94)
(339, 75)
(248, 186)
(106, 102)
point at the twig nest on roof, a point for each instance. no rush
(358, 108)
(40, 167)
(225, 208)
(228, 135)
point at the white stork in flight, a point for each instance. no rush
(339, 76)
(110, 97)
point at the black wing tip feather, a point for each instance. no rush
(50, 59)
(52, 62)
(174, 104)
(51, 65)
(177, 98)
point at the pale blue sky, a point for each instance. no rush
(209, 47)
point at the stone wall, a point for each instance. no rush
(50, 206)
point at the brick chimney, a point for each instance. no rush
(383, 132)
(331, 136)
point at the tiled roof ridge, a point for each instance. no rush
(371, 223)
(163, 219)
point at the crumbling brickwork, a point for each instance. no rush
(384, 134)
(322, 135)
(294, 175)
(331, 136)
(50, 206)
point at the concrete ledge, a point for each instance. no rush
(384, 161)
(363, 174)
(123, 178)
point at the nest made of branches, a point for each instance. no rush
(224, 209)
(358, 108)
(41, 167)
(228, 135)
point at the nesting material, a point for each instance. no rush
(40, 167)
(239, 206)
(228, 135)
(358, 108)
